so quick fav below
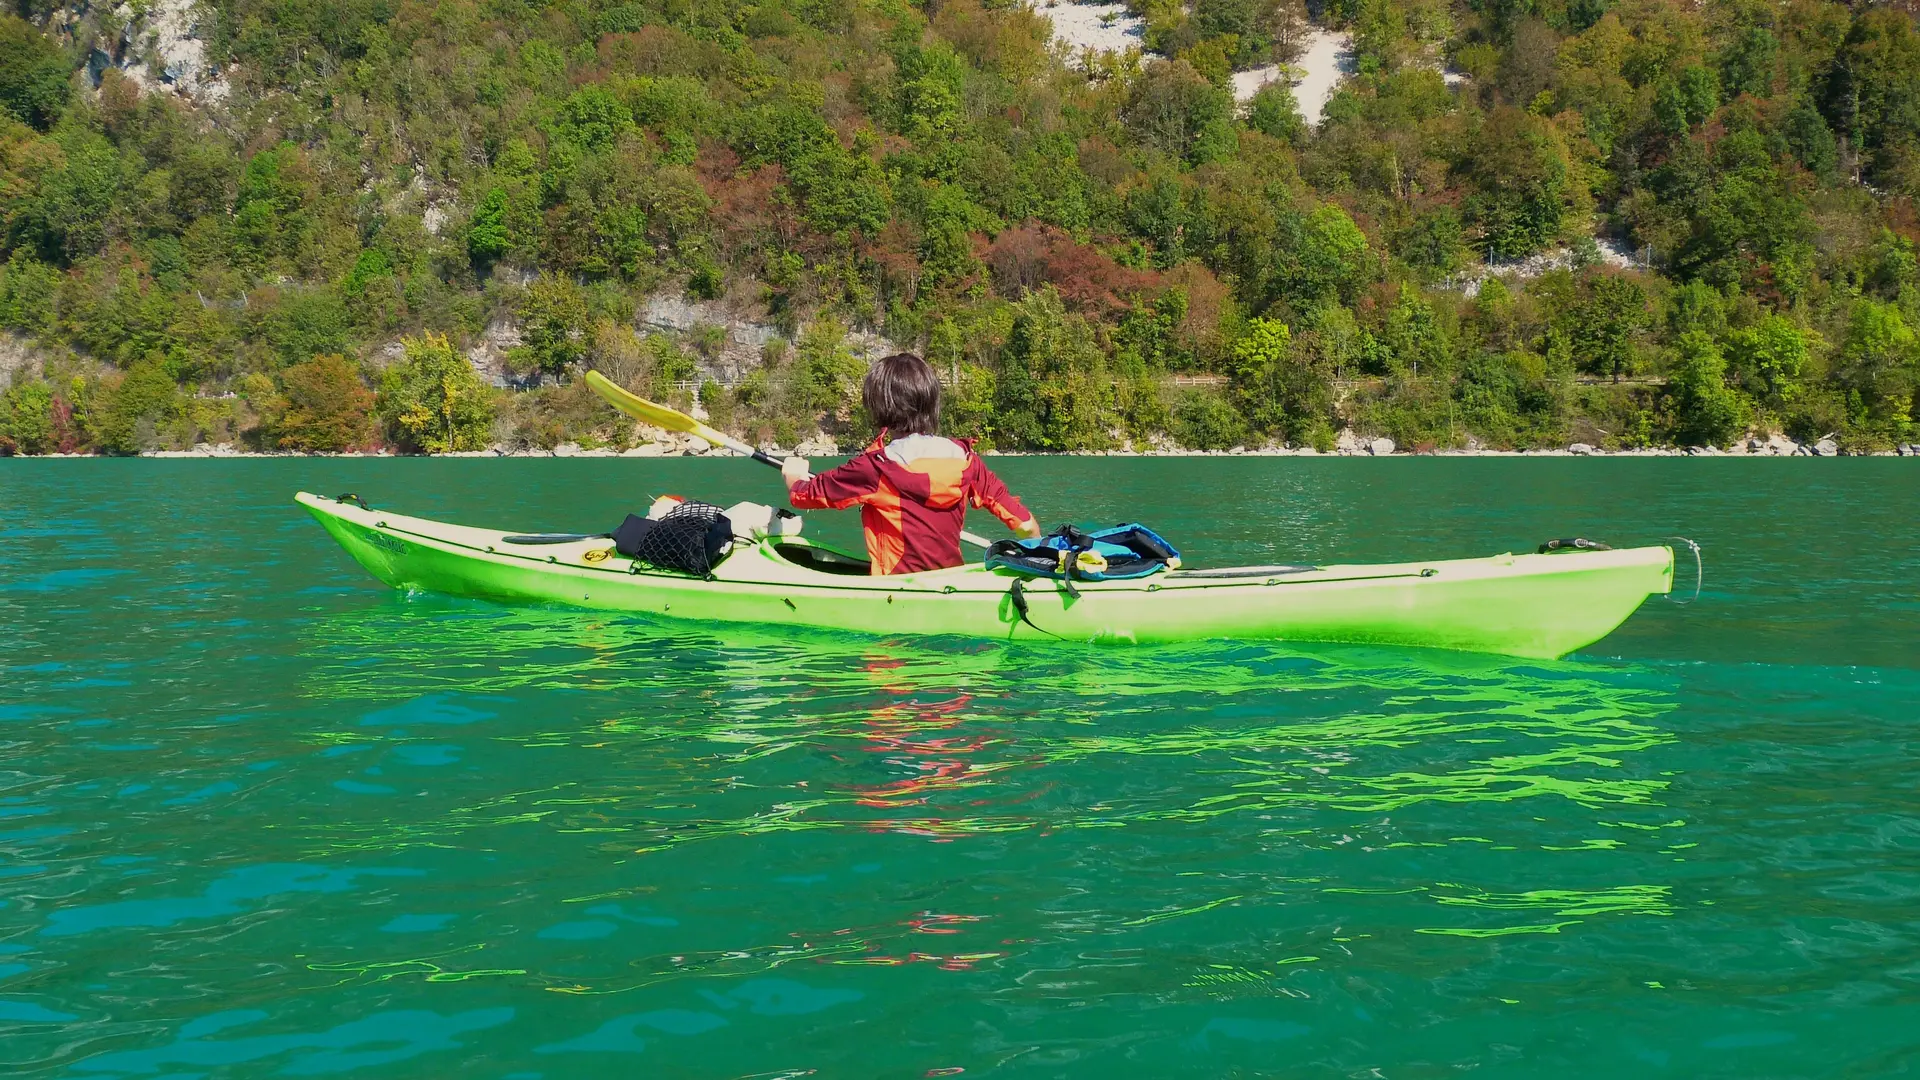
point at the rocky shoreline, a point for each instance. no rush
(665, 445)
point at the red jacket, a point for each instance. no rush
(913, 511)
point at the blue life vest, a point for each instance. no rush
(1070, 554)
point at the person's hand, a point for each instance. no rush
(794, 470)
(1028, 529)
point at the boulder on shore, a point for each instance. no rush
(1580, 448)
(1826, 448)
(1380, 447)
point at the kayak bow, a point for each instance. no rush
(1542, 606)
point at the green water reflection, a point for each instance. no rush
(749, 734)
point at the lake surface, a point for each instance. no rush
(260, 816)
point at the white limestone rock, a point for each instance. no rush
(821, 445)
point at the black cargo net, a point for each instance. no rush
(692, 538)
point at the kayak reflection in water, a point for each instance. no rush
(913, 486)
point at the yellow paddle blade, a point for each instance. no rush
(640, 408)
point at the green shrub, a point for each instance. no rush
(1206, 421)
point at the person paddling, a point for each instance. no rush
(912, 485)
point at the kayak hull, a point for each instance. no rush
(1541, 606)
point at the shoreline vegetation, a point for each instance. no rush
(1359, 227)
(664, 445)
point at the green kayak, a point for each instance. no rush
(1541, 606)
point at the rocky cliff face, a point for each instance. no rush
(743, 336)
(159, 44)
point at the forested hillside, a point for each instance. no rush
(318, 225)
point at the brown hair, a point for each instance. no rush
(903, 395)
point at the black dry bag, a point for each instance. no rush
(692, 538)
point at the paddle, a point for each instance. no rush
(674, 420)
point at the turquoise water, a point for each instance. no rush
(259, 816)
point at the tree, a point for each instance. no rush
(1326, 261)
(327, 406)
(1873, 87)
(1696, 305)
(1706, 410)
(1174, 109)
(1257, 361)
(593, 119)
(1687, 100)
(370, 266)
(1746, 64)
(1412, 338)
(1278, 386)
(1521, 187)
(26, 419)
(26, 293)
(299, 324)
(1432, 242)
(1879, 363)
(1607, 323)
(1214, 18)
(68, 213)
(1893, 265)
(1274, 111)
(846, 191)
(433, 401)
(1771, 358)
(1812, 141)
(829, 374)
(1288, 26)
(554, 321)
(1527, 66)
(125, 417)
(33, 75)
(1052, 390)
(274, 208)
(1741, 209)
(488, 237)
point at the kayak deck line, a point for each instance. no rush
(1529, 605)
(638, 569)
(1241, 572)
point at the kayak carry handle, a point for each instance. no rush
(1572, 543)
(1699, 572)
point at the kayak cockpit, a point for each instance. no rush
(824, 560)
